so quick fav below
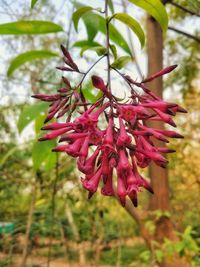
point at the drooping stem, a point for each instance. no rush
(107, 45)
(86, 73)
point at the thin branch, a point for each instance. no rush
(184, 9)
(107, 44)
(197, 39)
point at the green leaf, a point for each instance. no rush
(114, 51)
(83, 43)
(156, 9)
(131, 23)
(39, 122)
(28, 56)
(115, 35)
(33, 2)
(29, 113)
(78, 14)
(100, 50)
(95, 23)
(30, 27)
(90, 93)
(42, 155)
(92, 24)
(111, 6)
(120, 62)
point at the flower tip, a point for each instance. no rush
(122, 201)
(174, 66)
(47, 120)
(172, 123)
(55, 149)
(42, 139)
(182, 110)
(90, 194)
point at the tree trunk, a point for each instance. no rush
(158, 175)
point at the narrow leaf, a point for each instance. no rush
(133, 24)
(30, 27)
(115, 35)
(29, 113)
(120, 62)
(100, 50)
(28, 56)
(83, 43)
(90, 93)
(156, 9)
(114, 50)
(92, 24)
(78, 14)
(111, 6)
(33, 2)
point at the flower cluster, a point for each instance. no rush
(121, 143)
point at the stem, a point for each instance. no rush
(107, 45)
(185, 34)
(86, 73)
(184, 9)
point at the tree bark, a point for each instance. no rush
(159, 176)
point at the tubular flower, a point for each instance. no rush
(121, 143)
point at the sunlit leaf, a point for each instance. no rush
(28, 56)
(132, 24)
(121, 62)
(29, 113)
(78, 14)
(30, 27)
(156, 9)
(33, 2)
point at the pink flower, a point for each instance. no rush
(107, 189)
(123, 138)
(92, 184)
(88, 166)
(121, 189)
(101, 149)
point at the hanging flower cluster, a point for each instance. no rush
(121, 143)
